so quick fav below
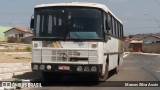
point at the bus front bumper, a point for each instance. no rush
(67, 68)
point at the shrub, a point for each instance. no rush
(28, 49)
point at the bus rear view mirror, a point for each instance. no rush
(107, 25)
(32, 23)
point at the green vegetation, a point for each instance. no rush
(28, 49)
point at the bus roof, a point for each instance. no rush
(82, 4)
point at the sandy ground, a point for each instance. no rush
(14, 58)
(18, 58)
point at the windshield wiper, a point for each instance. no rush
(74, 33)
(77, 36)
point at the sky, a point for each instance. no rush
(138, 16)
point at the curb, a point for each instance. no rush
(125, 54)
(144, 53)
(8, 70)
(22, 81)
(5, 76)
(149, 54)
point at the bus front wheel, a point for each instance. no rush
(103, 77)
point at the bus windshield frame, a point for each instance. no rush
(68, 23)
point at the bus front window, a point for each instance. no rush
(69, 23)
(85, 23)
(49, 23)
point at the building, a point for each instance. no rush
(18, 33)
(136, 46)
(127, 39)
(144, 42)
(151, 39)
(2, 30)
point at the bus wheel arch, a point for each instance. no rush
(116, 70)
(107, 60)
(104, 77)
(118, 63)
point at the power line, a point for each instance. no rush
(157, 2)
(154, 18)
(140, 19)
(141, 27)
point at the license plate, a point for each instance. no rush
(64, 67)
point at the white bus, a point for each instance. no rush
(76, 37)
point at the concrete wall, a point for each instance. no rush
(151, 48)
(146, 48)
(8, 70)
(127, 46)
(28, 35)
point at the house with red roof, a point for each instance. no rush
(18, 33)
(147, 38)
(138, 41)
(126, 38)
(151, 39)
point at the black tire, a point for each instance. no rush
(104, 77)
(51, 77)
(116, 70)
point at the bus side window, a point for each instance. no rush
(115, 30)
(122, 31)
(118, 29)
(113, 26)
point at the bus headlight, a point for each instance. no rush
(86, 68)
(35, 67)
(79, 68)
(49, 67)
(93, 68)
(42, 67)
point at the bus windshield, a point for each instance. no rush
(69, 23)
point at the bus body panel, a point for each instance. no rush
(50, 52)
(113, 48)
(68, 40)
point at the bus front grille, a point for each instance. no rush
(66, 55)
(51, 55)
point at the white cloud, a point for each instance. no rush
(117, 0)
